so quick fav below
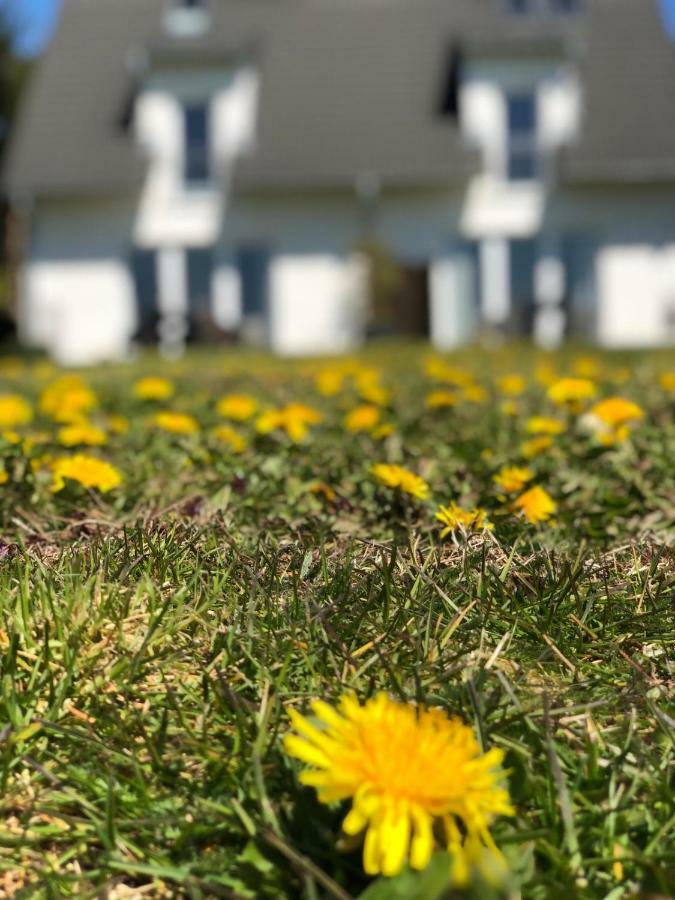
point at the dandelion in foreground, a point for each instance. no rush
(412, 773)
(88, 471)
(455, 518)
(399, 478)
(536, 505)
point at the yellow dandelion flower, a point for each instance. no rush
(382, 431)
(474, 393)
(439, 370)
(571, 393)
(440, 399)
(544, 425)
(11, 436)
(412, 773)
(118, 424)
(536, 505)
(4, 477)
(88, 471)
(545, 374)
(667, 381)
(232, 438)
(369, 387)
(362, 418)
(153, 388)
(81, 433)
(511, 479)
(176, 423)
(586, 367)
(294, 419)
(14, 410)
(238, 407)
(509, 408)
(616, 411)
(399, 478)
(536, 445)
(457, 519)
(329, 382)
(511, 385)
(68, 399)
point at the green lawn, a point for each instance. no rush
(152, 636)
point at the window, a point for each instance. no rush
(521, 109)
(197, 168)
(520, 7)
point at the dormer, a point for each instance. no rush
(187, 18)
(541, 7)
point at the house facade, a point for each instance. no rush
(189, 169)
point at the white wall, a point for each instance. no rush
(314, 304)
(452, 300)
(76, 293)
(636, 285)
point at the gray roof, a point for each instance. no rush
(348, 87)
(628, 70)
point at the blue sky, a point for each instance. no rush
(32, 21)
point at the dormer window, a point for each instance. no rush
(187, 18)
(197, 168)
(522, 151)
(526, 7)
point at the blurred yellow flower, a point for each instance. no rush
(4, 477)
(413, 775)
(616, 411)
(153, 388)
(511, 479)
(234, 440)
(68, 399)
(509, 408)
(611, 419)
(14, 410)
(329, 382)
(118, 424)
(440, 399)
(294, 419)
(176, 423)
(536, 505)
(544, 425)
(571, 392)
(667, 381)
(586, 367)
(369, 387)
(362, 418)
(455, 518)
(438, 369)
(81, 433)
(511, 385)
(238, 407)
(536, 445)
(474, 393)
(399, 478)
(88, 471)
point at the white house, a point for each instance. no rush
(187, 167)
